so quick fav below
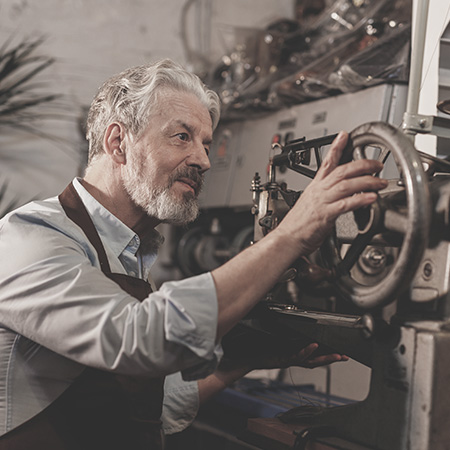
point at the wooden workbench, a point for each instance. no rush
(272, 434)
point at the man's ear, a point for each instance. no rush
(114, 142)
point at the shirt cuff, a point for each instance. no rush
(180, 404)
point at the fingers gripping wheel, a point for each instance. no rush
(410, 222)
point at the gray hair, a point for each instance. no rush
(130, 97)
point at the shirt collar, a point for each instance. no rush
(109, 227)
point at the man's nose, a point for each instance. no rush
(199, 158)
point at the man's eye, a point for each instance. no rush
(207, 151)
(183, 136)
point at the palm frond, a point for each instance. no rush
(19, 90)
(25, 77)
(20, 105)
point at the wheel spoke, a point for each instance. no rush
(384, 153)
(353, 253)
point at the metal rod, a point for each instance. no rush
(417, 54)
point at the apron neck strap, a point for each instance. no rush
(77, 212)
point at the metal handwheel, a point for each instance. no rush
(408, 219)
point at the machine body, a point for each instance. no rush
(389, 266)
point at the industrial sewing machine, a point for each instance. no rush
(382, 279)
(389, 265)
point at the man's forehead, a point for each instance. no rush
(183, 109)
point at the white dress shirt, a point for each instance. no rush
(60, 313)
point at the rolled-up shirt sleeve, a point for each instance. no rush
(191, 321)
(180, 405)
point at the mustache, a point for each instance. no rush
(190, 173)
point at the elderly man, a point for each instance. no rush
(84, 342)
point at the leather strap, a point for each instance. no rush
(77, 212)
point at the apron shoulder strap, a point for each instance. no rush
(76, 211)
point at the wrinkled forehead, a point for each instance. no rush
(167, 95)
(180, 106)
(179, 110)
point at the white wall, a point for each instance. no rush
(91, 40)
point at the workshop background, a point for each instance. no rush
(54, 54)
(89, 41)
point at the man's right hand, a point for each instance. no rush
(336, 189)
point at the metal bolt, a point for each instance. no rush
(374, 257)
(427, 270)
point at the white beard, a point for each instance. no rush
(157, 202)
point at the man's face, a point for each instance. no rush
(164, 168)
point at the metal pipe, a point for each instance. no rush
(417, 54)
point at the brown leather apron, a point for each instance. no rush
(100, 410)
